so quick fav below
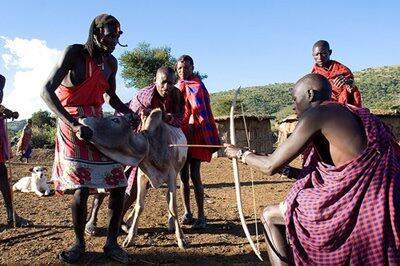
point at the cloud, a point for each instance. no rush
(30, 62)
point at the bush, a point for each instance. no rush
(43, 137)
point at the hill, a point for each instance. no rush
(380, 90)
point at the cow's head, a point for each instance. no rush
(114, 137)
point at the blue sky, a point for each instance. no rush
(234, 42)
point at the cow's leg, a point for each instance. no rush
(142, 181)
(279, 252)
(173, 211)
(90, 227)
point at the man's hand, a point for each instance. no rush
(133, 119)
(83, 132)
(340, 81)
(166, 117)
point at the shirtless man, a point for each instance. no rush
(333, 214)
(75, 88)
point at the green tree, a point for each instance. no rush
(43, 129)
(140, 65)
(42, 118)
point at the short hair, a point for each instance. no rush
(322, 43)
(98, 22)
(186, 58)
(166, 69)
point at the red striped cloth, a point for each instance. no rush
(340, 94)
(5, 147)
(197, 103)
(349, 214)
(78, 163)
(24, 140)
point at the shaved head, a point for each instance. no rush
(316, 82)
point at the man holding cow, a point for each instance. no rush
(75, 89)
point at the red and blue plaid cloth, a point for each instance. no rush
(197, 104)
(349, 215)
(146, 98)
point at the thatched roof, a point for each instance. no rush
(289, 119)
(379, 112)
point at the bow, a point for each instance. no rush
(237, 179)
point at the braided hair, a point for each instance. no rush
(99, 22)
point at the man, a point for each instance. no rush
(199, 127)
(340, 77)
(75, 89)
(164, 95)
(24, 149)
(344, 209)
(5, 151)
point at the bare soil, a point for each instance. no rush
(222, 243)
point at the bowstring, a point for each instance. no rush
(247, 133)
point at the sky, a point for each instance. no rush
(236, 43)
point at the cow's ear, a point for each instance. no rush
(31, 169)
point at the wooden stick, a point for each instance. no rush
(196, 145)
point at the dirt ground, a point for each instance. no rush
(222, 243)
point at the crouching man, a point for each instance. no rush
(344, 208)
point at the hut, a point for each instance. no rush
(391, 118)
(286, 127)
(258, 128)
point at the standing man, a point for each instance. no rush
(344, 209)
(5, 151)
(199, 127)
(75, 88)
(24, 149)
(164, 95)
(341, 78)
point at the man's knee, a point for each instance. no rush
(274, 214)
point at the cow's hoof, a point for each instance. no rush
(91, 229)
(183, 244)
(127, 242)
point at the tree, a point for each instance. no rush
(140, 65)
(42, 118)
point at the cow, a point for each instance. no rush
(149, 149)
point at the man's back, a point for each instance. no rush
(341, 136)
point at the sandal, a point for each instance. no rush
(72, 255)
(91, 229)
(187, 218)
(200, 224)
(116, 253)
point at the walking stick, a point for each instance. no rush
(10, 179)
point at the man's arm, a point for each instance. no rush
(174, 118)
(110, 95)
(64, 65)
(308, 125)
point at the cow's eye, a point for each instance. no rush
(115, 120)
